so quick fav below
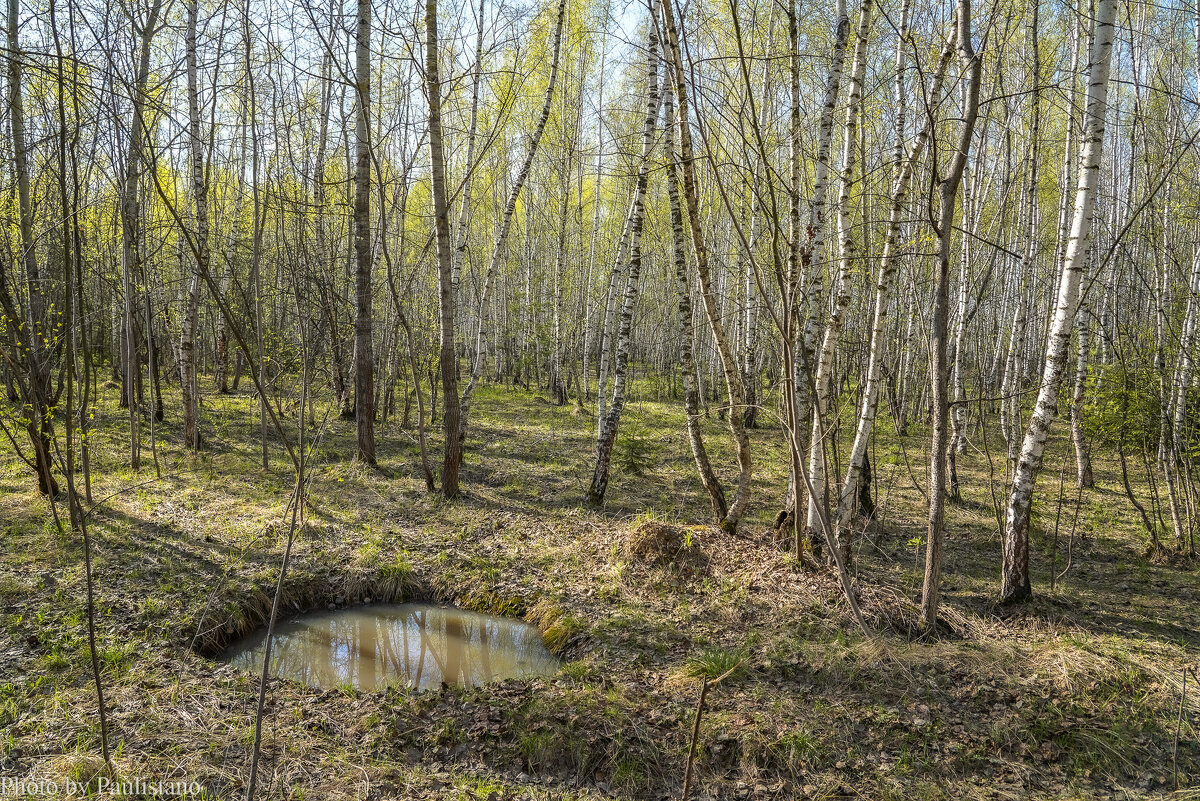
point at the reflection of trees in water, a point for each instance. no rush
(371, 647)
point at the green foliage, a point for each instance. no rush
(711, 663)
(398, 568)
(1124, 405)
(635, 451)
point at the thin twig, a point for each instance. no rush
(1178, 727)
(705, 685)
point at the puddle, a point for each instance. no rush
(418, 645)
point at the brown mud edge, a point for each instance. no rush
(229, 614)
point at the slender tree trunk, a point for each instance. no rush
(256, 247)
(841, 284)
(364, 360)
(464, 210)
(687, 365)
(187, 338)
(736, 391)
(808, 246)
(1015, 585)
(585, 374)
(939, 368)
(447, 360)
(610, 422)
(32, 345)
(131, 227)
(1083, 462)
(904, 165)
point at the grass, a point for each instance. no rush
(713, 663)
(1075, 695)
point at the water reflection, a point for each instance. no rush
(422, 646)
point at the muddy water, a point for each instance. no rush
(417, 645)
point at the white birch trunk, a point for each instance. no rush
(887, 269)
(1015, 585)
(841, 284)
(610, 422)
(505, 224)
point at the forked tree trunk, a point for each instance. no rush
(447, 360)
(938, 366)
(687, 366)
(1015, 585)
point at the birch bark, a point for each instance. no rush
(841, 283)
(502, 235)
(903, 169)
(1015, 585)
(735, 388)
(687, 367)
(610, 421)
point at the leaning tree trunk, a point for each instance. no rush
(735, 389)
(1015, 585)
(687, 365)
(606, 437)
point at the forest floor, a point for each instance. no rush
(1073, 695)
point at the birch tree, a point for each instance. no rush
(610, 417)
(841, 285)
(735, 389)
(447, 359)
(904, 163)
(687, 367)
(1015, 584)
